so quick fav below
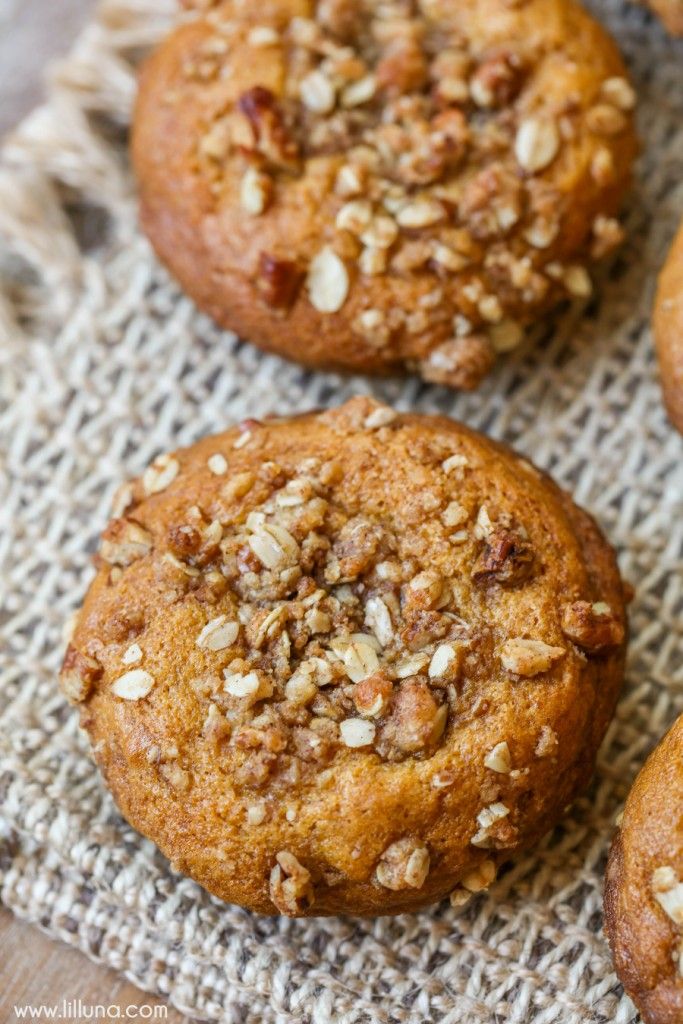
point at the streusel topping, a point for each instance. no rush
(440, 153)
(322, 619)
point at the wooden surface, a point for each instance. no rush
(34, 970)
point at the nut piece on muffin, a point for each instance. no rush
(385, 187)
(348, 662)
(668, 330)
(644, 887)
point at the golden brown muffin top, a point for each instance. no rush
(436, 173)
(339, 623)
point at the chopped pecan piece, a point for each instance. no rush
(184, 540)
(291, 889)
(372, 695)
(403, 865)
(176, 776)
(478, 879)
(529, 657)
(256, 191)
(124, 541)
(495, 830)
(122, 624)
(497, 80)
(491, 202)
(426, 590)
(256, 769)
(78, 675)
(310, 745)
(607, 235)
(212, 587)
(460, 363)
(340, 17)
(266, 118)
(216, 727)
(593, 627)
(507, 558)
(358, 547)
(278, 281)
(416, 721)
(403, 68)
(547, 742)
(498, 759)
(668, 892)
(422, 628)
(450, 135)
(273, 739)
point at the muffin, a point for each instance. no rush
(668, 330)
(379, 187)
(644, 888)
(671, 13)
(348, 662)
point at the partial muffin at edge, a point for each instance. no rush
(644, 886)
(671, 13)
(382, 194)
(668, 330)
(348, 662)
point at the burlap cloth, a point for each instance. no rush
(104, 363)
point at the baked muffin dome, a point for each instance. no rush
(384, 186)
(347, 662)
(644, 887)
(668, 329)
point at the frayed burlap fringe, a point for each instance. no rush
(103, 363)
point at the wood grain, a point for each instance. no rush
(35, 971)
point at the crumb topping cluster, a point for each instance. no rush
(440, 169)
(321, 630)
(668, 891)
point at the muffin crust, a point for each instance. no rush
(380, 187)
(671, 13)
(668, 329)
(347, 662)
(644, 887)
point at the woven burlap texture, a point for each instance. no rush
(104, 364)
